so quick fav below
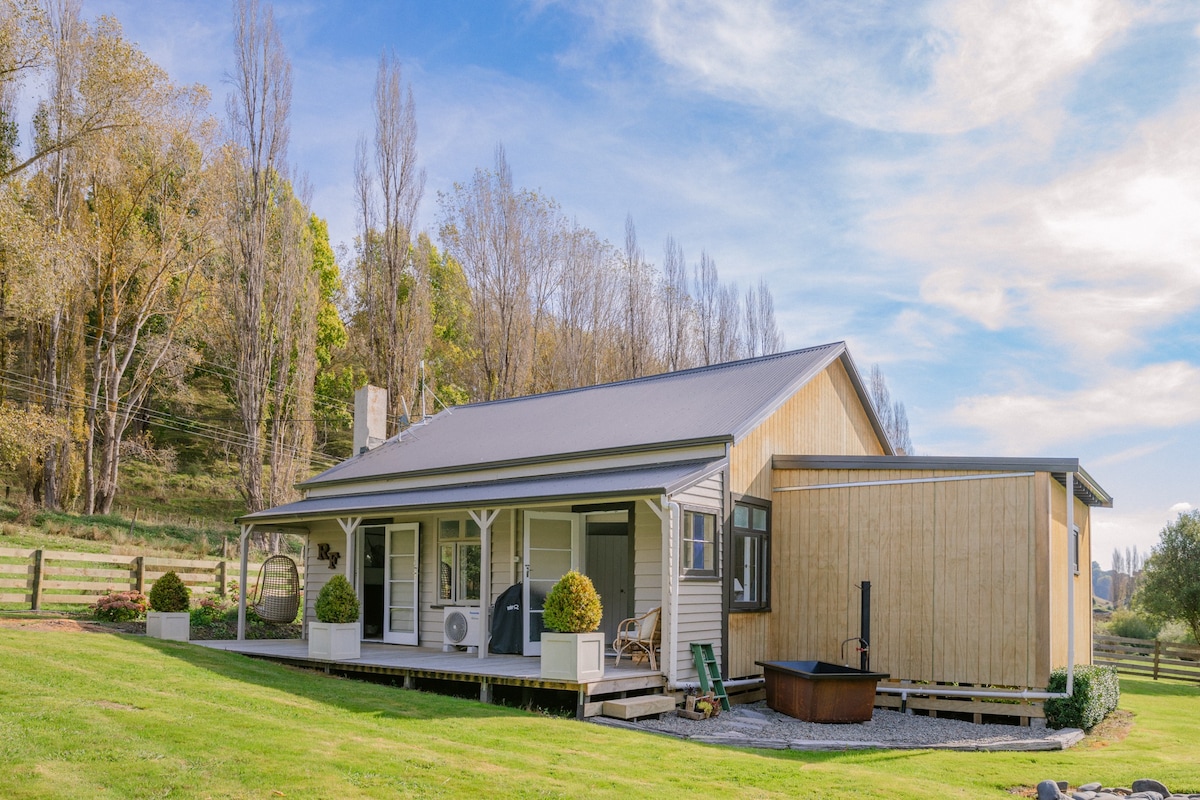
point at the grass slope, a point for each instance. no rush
(117, 716)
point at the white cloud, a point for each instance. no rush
(1129, 454)
(1160, 396)
(945, 66)
(1097, 256)
(1181, 508)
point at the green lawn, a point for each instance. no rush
(115, 716)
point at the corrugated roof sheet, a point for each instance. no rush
(594, 484)
(707, 403)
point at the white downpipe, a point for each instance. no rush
(905, 691)
(686, 685)
(673, 516)
(1025, 694)
(666, 512)
(1071, 584)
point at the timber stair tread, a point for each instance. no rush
(635, 707)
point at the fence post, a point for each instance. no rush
(1157, 650)
(39, 566)
(221, 573)
(140, 579)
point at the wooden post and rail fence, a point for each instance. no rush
(1151, 657)
(37, 578)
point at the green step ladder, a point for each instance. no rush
(710, 672)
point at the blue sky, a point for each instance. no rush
(998, 201)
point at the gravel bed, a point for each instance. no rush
(755, 725)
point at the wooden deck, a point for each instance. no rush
(416, 664)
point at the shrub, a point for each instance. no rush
(1132, 625)
(210, 609)
(120, 606)
(1176, 633)
(337, 601)
(572, 605)
(1095, 696)
(169, 594)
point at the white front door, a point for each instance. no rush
(551, 551)
(401, 565)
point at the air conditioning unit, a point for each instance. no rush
(460, 628)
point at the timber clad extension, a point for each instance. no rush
(968, 558)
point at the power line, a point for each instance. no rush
(224, 436)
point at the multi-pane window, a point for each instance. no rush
(698, 544)
(750, 563)
(458, 561)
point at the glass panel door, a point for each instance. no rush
(400, 583)
(551, 550)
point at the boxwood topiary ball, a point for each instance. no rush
(337, 602)
(169, 594)
(572, 606)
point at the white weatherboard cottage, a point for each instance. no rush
(747, 500)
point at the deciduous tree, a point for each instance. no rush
(1169, 588)
(258, 115)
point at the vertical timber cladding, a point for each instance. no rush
(825, 417)
(1059, 548)
(951, 565)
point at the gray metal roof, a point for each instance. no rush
(722, 402)
(1086, 487)
(589, 485)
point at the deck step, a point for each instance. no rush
(634, 707)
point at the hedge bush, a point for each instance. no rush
(1132, 625)
(572, 606)
(337, 602)
(1096, 694)
(169, 594)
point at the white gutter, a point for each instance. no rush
(905, 691)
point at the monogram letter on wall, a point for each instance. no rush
(324, 554)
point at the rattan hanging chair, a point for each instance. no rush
(277, 596)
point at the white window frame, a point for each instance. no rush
(687, 544)
(460, 544)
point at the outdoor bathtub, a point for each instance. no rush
(817, 691)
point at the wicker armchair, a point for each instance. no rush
(640, 637)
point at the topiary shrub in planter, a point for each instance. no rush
(573, 606)
(1095, 696)
(169, 594)
(571, 649)
(168, 617)
(337, 601)
(335, 635)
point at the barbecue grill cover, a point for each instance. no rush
(507, 631)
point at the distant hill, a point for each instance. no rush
(1102, 582)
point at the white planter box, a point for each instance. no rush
(173, 625)
(334, 641)
(577, 657)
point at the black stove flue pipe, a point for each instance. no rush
(864, 628)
